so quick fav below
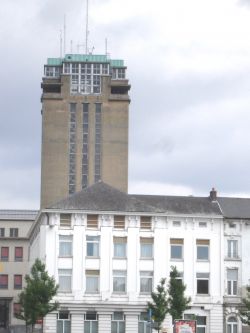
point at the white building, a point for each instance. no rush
(108, 249)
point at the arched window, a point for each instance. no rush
(232, 325)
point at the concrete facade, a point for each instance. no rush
(14, 261)
(163, 229)
(113, 131)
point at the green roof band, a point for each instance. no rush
(92, 58)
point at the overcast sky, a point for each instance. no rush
(189, 67)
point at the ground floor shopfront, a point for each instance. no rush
(76, 319)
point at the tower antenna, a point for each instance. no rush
(61, 41)
(64, 32)
(87, 27)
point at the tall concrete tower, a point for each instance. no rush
(85, 106)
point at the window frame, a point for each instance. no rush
(122, 276)
(6, 285)
(120, 243)
(146, 242)
(176, 243)
(232, 285)
(67, 274)
(18, 258)
(118, 323)
(146, 275)
(232, 252)
(3, 257)
(13, 232)
(66, 239)
(18, 285)
(92, 240)
(202, 277)
(92, 274)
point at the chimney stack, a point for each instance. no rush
(213, 195)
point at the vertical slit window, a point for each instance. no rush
(72, 149)
(98, 125)
(85, 147)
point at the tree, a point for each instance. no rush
(159, 306)
(35, 299)
(245, 310)
(177, 302)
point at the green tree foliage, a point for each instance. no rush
(245, 310)
(159, 304)
(177, 301)
(35, 299)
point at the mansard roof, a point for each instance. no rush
(237, 208)
(102, 197)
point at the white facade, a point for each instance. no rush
(135, 254)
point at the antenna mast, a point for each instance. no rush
(64, 32)
(61, 41)
(87, 26)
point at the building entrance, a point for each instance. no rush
(4, 313)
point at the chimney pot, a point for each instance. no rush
(213, 194)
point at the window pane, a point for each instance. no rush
(202, 286)
(146, 250)
(119, 284)
(67, 326)
(146, 285)
(176, 251)
(59, 326)
(120, 250)
(202, 252)
(113, 327)
(92, 284)
(121, 327)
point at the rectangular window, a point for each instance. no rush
(18, 253)
(4, 254)
(202, 224)
(18, 281)
(202, 283)
(146, 245)
(145, 223)
(72, 143)
(232, 248)
(85, 147)
(177, 224)
(232, 281)
(119, 222)
(65, 277)
(2, 232)
(16, 308)
(65, 221)
(3, 281)
(91, 323)
(92, 246)
(146, 281)
(65, 245)
(120, 246)
(92, 281)
(118, 323)
(92, 221)
(143, 325)
(13, 232)
(201, 322)
(202, 247)
(176, 248)
(98, 126)
(63, 322)
(119, 281)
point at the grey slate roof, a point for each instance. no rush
(15, 214)
(235, 207)
(102, 197)
(182, 205)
